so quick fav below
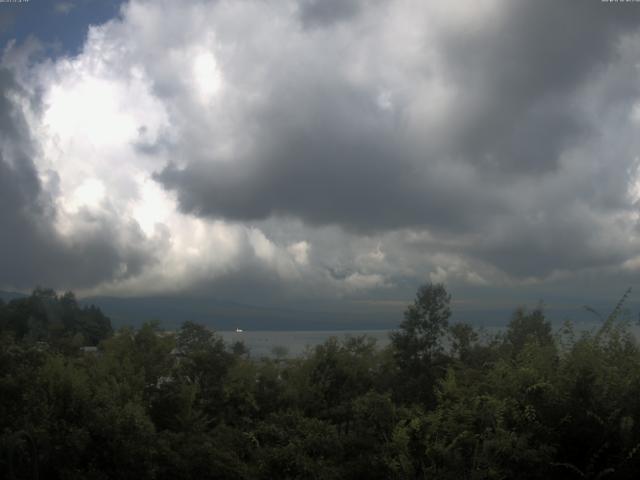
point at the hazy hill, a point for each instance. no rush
(228, 315)
(8, 296)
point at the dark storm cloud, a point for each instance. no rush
(325, 153)
(328, 155)
(318, 13)
(563, 242)
(519, 75)
(532, 86)
(31, 250)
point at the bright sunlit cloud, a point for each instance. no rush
(90, 193)
(90, 109)
(206, 75)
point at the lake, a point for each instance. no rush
(262, 342)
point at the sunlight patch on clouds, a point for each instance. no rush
(634, 182)
(153, 206)
(90, 109)
(358, 281)
(90, 193)
(300, 252)
(206, 76)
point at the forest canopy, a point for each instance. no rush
(440, 401)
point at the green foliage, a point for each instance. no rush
(292, 445)
(57, 320)
(417, 346)
(204, 362)
(425, 322)
(440, 402)
(528, 327)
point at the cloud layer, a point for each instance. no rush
(309, 148)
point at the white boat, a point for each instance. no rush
(239, 330)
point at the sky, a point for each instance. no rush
(322, 155)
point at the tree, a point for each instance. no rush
(417, 348)
(463, 337)
(206, 363)
(338, 373)
(194, 337)
(425, 322)
(58, 320)
(526, 327)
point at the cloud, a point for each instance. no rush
(343, 148)
(458, 131)
(518, 110)
(32, 248)
(317, 13)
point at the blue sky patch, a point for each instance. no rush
(59, 25)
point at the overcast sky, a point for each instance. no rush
(321, 150)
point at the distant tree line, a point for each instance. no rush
(57, 320)
(440, 401)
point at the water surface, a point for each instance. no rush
(262, 342)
